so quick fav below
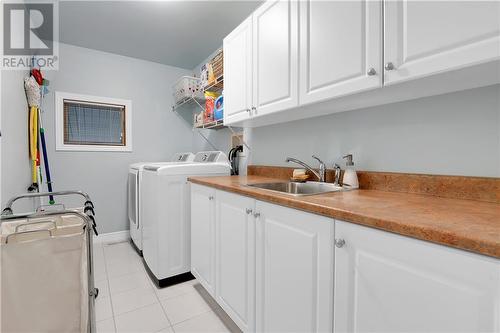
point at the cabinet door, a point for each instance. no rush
(235, 258)
(203, 236)
(238, 73)
(427, 37)
(294, 262)
(340, 48)
(275, 56)
(390, 283)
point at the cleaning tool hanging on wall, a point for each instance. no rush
(32, 90)
(44, 91)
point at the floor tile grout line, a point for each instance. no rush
(193, 317)
(140, 307)
(129, 290)
(109, 288)
(176, 296)
(124, 275)
(163, 309)
(155, 295)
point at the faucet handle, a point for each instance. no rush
(337, 170)
(318, 159)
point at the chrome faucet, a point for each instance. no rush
(336, 168)
(322, 167)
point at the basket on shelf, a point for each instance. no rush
(187, 87)
(216, 68)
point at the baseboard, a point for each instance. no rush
(113, 237)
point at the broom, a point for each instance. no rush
(32, 90)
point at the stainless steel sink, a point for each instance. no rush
(299, 189)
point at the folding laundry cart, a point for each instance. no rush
(47, 278)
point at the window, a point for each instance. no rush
(90, 123)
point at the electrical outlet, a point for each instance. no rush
(237, 140)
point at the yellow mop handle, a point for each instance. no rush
(33, 141)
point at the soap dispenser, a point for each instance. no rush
(350, 178)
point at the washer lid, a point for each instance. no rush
(177, 158)
(190, 168)
(140, 165)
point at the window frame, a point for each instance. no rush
(59, 117)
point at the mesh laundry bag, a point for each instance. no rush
(44, 280)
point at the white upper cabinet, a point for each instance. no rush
(235, 258)
(294, 264)
(390, 283)
(427, 37)
(340, 48)
(295, 53)
(275, 57)
(238, 73)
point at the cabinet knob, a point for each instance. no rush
(256, 215)
(249, 211)
(248, 110)
(371, 71)
(389, 66)
(211, 197)
(339, 242)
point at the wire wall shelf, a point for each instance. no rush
(216, 86)
(216, 124)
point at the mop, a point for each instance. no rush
(36, 88)
(32, 90)
(44, 146)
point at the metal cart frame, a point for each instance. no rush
(90, 228)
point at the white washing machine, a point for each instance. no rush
(166, 215)
(134, 195)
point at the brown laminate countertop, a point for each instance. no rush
(465, 224)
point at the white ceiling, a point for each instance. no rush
(176, 33)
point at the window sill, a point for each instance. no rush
(93, 148)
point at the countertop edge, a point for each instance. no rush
(470, 244)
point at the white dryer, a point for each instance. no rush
(134, 195)
(166, 218)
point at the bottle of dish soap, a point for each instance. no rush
(350, 178)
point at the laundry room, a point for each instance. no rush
(250, 166)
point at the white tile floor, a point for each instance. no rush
(129, 301)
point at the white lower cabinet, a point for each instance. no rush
(294, 266)
(277, 269)
(391, 283)
(235, 258)
(203, 236)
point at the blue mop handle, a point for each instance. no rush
(46, 164)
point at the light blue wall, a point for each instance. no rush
(157, 132)
(456, 134)
(452, 134)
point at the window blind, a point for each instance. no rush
(88, 123)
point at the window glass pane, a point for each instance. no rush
(93, 124)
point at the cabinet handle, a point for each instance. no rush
(248, 110)
(249, 211)
(371, 71)
(254, 108)
(211, 197)
(339, 242)
(256, 215)
(389, 66)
